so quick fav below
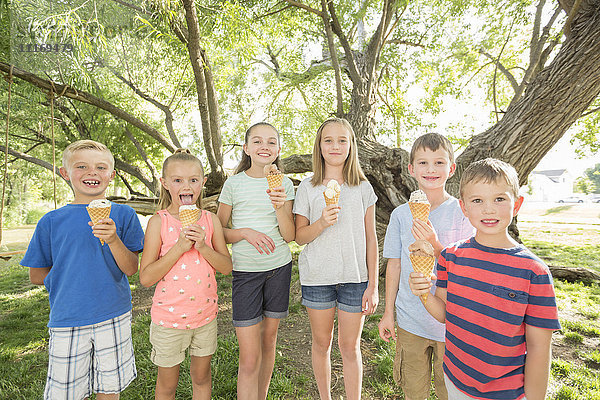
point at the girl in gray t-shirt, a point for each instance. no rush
(339, 264)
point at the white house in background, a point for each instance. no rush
(549, 185)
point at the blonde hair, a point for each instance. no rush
(164, 199)
(246, 162)
(85, 145)
(432, 141)
(353, 173)
(490, 170)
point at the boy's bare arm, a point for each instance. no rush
(126, 260)
(37, 275)
(537, 362)
(387, 328)
(435, 305)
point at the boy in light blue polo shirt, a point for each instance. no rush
(420, 338)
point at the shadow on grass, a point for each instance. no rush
(556, 210)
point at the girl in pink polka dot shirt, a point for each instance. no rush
(182, 262)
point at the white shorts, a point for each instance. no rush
(455, 394)
(93, 358)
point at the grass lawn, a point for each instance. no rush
(575, 372)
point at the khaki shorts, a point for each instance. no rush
(169, 344)
(413, 365)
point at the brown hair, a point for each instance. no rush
(164, 199)
(432, 141)
(490, 170)
(85, 145)
(246, 162)
(353, 173)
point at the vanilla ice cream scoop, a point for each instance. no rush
(333, 184)
(418, 196)
(332, 192)
(99, 203)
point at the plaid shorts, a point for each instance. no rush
(93, 358)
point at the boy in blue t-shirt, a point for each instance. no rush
(419, 337)
(90, 347)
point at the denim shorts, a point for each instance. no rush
(255, 295)
(346, 296)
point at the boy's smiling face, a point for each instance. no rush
(490, 207)
(431, 168)
(90, 172)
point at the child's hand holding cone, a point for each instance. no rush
(276, 190)
(423, 260)
(99, 212)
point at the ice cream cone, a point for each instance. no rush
(97, 211)
(423, 264)
(275, 180)
(420, 210)
(188, 215)
(331, 200)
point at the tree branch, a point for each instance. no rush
(31, 159)
(304, 7)
(164, 108)
(144, 155)
(198, 66)
(502, 68)
(350, 60)
(334, 62)
(404, 42)
(88, 98)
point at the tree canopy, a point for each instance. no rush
(147, 77)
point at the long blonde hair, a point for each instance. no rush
(353, 173)
(164, 199)
(246, 162)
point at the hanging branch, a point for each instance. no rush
(496, 71)
(10, 81)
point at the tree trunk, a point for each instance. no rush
(553, 101)
(207, 99)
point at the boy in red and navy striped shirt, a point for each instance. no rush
(496, 297)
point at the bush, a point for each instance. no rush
(34, 215)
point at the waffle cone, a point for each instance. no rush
(98, 213)
(424, 265)
(188, 217)
(275, 180)
(419, 210)
(331, 200)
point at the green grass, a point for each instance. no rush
(573, 337)
(23, 342)
(567, 256)
(583, 327)
(576, 383)
(556, 210)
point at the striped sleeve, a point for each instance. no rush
(442, 270)
(541, 311)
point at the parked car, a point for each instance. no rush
(595, 198)
(570, 199)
